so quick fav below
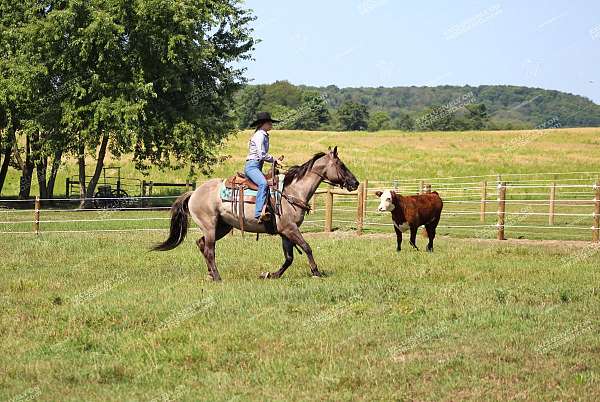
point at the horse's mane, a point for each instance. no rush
(297, 172)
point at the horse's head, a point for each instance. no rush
(336, 172)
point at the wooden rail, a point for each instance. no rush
(358, 201)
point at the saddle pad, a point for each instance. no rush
(226, 193)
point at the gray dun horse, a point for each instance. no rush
(215, 218)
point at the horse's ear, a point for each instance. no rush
(378, 193)
(335, 151)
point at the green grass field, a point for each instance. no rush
(391, 155)
(382, 158)
(97, 317)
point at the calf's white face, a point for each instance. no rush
(385, 202)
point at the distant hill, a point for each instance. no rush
(487, 106)
(533, 106)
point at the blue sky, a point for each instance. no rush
(547, 44)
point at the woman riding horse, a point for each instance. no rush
(215, 217)
(258, 154)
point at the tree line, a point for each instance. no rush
(443, 108)
(151, 78)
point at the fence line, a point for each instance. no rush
(489, 175)
(355, 208)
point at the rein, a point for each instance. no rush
(324, 180)
(295, 202)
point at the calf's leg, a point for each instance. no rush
(398, 238)
(431, 227)
(413, 236)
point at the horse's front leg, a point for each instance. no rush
(288, 252)
(296, 237)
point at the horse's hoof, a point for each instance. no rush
(265, 275)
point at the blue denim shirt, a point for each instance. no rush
(258, 147)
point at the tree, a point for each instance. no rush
(439, 118)
(153, 77)
(353, 116)
(404, 121)
(247, 103)
(20, 78)
(478, 116)
(379, 120)
(312, 114)
(282, 93)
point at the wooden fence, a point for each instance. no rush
(515, 208)
(502, 191)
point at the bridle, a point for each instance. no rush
(301, 204)
(327, 181)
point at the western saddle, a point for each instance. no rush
(240, 180)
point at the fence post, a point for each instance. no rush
(67, 187)
(365, 198)
(483, 201)
(328, 210)
(150, 186)
(36, 216)
(187, 186)
(359, 208)
(596, 229)
(421, 187)
(551, 204)
(143, 193)
(428, 188)
(313, 203)
(501, 209)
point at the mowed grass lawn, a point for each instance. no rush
(97, 317)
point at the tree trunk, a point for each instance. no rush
(41, 167)
(4, 167)
(99, 165)
(53, 172)
(8, 149)
(26, 172)
(81, 163)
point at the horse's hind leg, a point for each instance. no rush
(207, 246)
(288, 252)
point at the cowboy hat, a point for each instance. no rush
(263, 117)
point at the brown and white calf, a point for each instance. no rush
(410, 212)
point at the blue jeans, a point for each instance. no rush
(253, 171)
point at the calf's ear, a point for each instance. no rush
(378, 193)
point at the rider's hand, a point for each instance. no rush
(280, 162)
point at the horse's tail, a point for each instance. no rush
(179, 223)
